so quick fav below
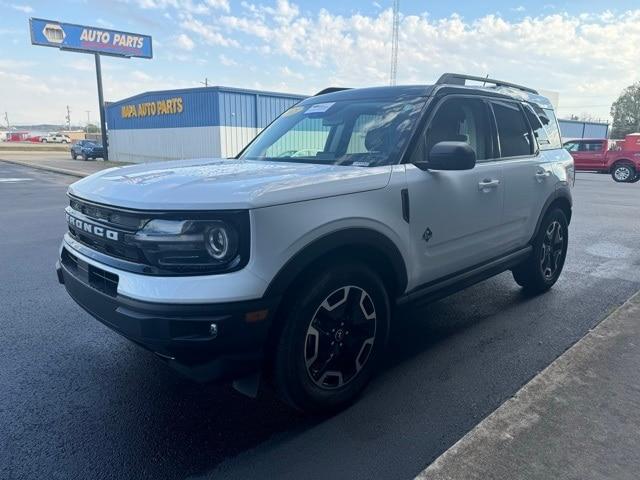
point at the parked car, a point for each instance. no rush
(87, 150)
(621, 159)
(55, 138)
(288, 269)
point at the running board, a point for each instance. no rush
(451, 284)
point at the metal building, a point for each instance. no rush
(570, 129)
(190, 123)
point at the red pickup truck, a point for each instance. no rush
(620, 159)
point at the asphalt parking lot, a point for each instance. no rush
(78, 401)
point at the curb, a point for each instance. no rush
(507, 422)
(63, 171)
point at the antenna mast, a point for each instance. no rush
(394, 43)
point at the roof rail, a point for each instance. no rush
(331, 90)
(460, 79)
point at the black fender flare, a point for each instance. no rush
(349, 239)
(561, 197)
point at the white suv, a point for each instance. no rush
(55, 138)
(287, 267)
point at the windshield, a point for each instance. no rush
(363, 133)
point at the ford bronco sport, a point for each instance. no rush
(286, 266)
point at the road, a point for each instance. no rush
(78, 401)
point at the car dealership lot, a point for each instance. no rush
(77, 401)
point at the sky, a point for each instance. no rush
(585, 50)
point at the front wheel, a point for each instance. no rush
(334, 335)
(623, 173)
(541, 270)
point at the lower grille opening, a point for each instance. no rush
(103, 281)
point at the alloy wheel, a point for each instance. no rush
(552, 250)
(340, 337)
(622, 173)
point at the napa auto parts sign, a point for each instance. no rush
(81, 38)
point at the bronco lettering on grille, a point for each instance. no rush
(92, 229)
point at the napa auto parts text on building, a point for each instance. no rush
(169, 106)
(83, 38)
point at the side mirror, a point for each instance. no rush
(449, 156)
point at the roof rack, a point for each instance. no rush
(331, 90)
(460, 79)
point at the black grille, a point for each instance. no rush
(99, 279)
(124, 222)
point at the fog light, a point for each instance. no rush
(213, 330)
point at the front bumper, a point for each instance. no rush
(181, 334)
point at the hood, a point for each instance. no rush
(217, 184)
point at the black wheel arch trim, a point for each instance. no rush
(340, 239)
(562, 195)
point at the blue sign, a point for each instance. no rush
(80, 38)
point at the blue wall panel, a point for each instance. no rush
(577, 129)
(200, 107)
(270, 106)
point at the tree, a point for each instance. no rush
(626, 112)
(91, 128)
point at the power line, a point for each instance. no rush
(394, 42)
(206, 82)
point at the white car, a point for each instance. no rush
(288, 268)
(56, 138)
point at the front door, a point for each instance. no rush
(456, 215)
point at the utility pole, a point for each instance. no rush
(394, 42)
(6, 119)
(88, 117)
(206, 82)
(68, 118)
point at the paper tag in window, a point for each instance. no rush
(292, 111)
(319, 107)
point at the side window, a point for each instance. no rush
(513, 130)
(571, 146)
(551, 126)
(461, 120)
(592, 146)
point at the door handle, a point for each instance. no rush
(542, 174)
(488, 184)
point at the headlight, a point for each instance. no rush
(195, 246)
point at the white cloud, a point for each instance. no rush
(226, 61)
(219, 4)
(184, 42)
(559, 52)
(209, 33)
(23, 8)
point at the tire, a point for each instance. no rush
(84, 157)
(73, 155)
(542, 269)
(637, 179)
(623, 173)
(44, 140)
(334, 335)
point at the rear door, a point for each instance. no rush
(527, 155)
(456, 215)
(589, 154)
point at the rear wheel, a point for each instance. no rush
(84, 157)
(73, 155)
(333, 338)
(541, 270)
(623, 173)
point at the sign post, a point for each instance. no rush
(98, 41)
